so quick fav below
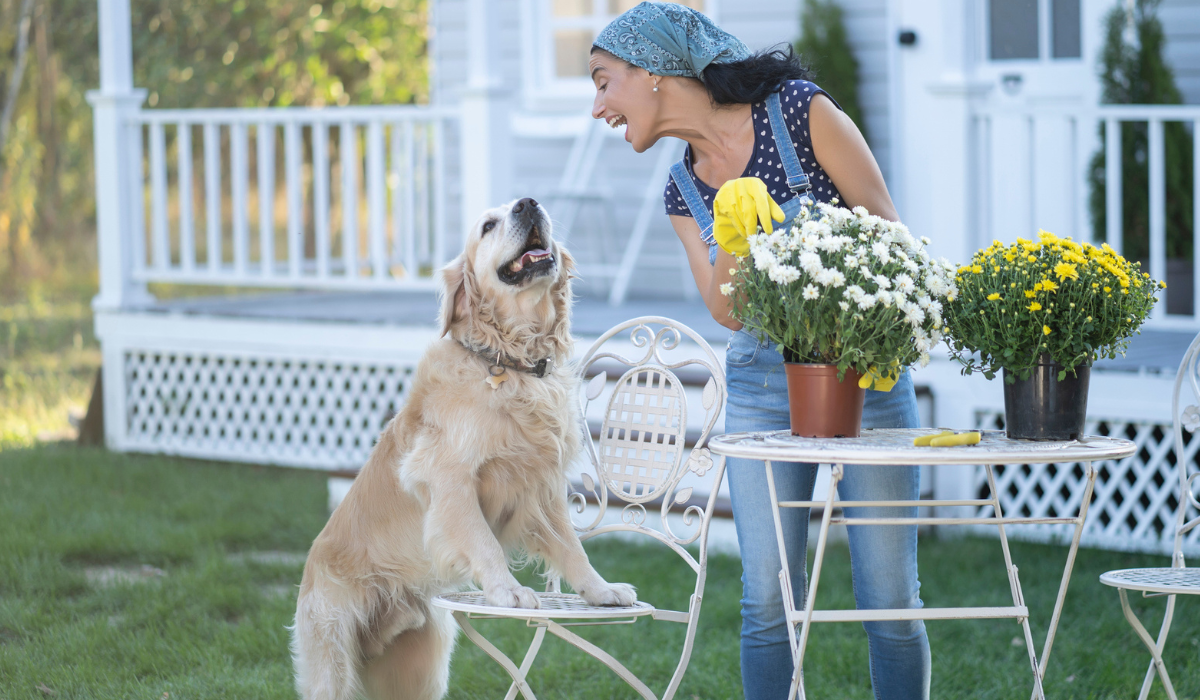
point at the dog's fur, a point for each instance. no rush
(461, 478)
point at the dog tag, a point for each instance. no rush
(499, 376)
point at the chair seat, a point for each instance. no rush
(554, 606)
(1160, 580)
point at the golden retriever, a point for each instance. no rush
(470, 472)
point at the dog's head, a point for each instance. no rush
(511, 275)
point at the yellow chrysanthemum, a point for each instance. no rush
(1049, 285)
(1037, 287)
(1066, 271)
(993, 296)
(1107, 290)
(977, 269)
(1035, 306)
(1045, 330)
(1029, 294)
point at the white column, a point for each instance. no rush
(486, 105)
(112, 105)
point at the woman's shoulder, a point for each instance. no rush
(802, 91)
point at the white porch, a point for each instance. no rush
(326, 226)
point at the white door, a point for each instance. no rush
(1032, 139)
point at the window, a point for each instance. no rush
(1017, 29)
(574, 24)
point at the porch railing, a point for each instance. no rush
(1031, 166)
(337, 198)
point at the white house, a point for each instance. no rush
(982, 114)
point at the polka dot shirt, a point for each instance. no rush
(766, 164)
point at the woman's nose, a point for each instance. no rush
(597, 108)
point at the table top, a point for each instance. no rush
(895, 446)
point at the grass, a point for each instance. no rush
(48, 361)
(204, 621)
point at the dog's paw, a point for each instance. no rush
(512, 597)
(611, 594)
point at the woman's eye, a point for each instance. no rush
(487, 227)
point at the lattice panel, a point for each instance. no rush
(1135, 499)
(643, 432)
(314, 413)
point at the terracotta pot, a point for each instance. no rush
(821, 406)
(1043, 408)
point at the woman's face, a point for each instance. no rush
(625, 96)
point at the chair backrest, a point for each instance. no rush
(638, 458)
(1185, 414)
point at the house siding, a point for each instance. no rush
(1181, 23)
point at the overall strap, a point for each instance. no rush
(797, 179)
(695, 204)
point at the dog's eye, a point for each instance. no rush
(488, 226)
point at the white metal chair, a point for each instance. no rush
(1178, 579)
(639, 463)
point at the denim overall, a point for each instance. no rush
(883, 558)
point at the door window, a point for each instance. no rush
(573, 26)
(1017, 29)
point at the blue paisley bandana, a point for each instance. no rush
(670, 39)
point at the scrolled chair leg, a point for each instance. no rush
(1155, 647)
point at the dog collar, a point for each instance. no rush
(499, 361)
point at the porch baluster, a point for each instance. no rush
(264, 140)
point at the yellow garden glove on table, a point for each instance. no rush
(739, 207)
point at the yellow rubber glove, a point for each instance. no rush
(971, 438)
(881, 381)
(739, 207)
(924, 440)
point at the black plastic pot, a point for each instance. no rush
(1044, 408)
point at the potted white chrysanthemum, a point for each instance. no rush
(851, 299)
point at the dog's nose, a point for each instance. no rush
(522, 204)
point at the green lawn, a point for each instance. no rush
(203, 612)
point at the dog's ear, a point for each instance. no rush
(562, 300)
(455, 303)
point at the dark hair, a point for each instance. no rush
(753, 79)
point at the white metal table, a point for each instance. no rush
(895, 447)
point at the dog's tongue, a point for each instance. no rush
(537, 252)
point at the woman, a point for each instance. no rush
(662, 69)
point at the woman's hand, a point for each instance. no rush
(739, 207)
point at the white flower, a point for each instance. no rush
(855, 292)
(783, 274)
(920, 342)
(885, 299)
(832, 244)
(850, 261)
(846, 307)
(924, 359)
(831, 278)
(914, 314)
(866, 271)
(880, 249)
(811, 263)
(925, 240)
(911, 266)
(924, 301)
(726, 289)
(866, 301)
(810, 292)
(883, 282)
(905, 284)
(898, 297)
(860, 211)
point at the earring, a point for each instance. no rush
(656, 86)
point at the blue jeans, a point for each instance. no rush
(883, 558)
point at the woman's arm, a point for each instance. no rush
(709, 278)
(844, 155)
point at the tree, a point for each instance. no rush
(187, 53)
(1133, 72)
(823, 44)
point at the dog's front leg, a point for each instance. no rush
(458, 537)
(563, 550)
